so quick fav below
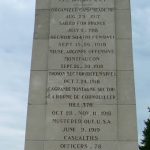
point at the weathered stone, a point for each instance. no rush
(82, 86)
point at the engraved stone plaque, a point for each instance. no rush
(82, 87)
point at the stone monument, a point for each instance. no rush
(81, 94)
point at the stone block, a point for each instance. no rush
(122, 4)
(43, 4)
(36, 122)
(38, 85)
(125, 87)
(123, 24)
(105, 121)
(42, 21)
(34, 145)
(40, 54)
(127, 125)
(128, 146)
(124, 54)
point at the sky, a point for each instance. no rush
(16, 34)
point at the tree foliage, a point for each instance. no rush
(145, 143)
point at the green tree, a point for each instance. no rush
(145, 143)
